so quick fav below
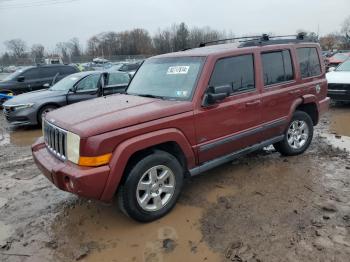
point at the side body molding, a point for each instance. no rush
(126, 149)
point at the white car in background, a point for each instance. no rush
(339, 82)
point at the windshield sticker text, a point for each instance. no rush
(174, 70)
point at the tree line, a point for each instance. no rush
(140, 42)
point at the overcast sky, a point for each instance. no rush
(52, 21)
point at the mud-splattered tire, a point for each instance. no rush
(44, 110)
(152, 187)
(298, 136)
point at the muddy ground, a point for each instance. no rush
(262, 207)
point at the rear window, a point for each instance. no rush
(237, 71)
(277, 67)
(309, 61)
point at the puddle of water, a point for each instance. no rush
(340, 121)
(173, 238)
(19, 137)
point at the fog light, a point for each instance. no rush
(69, 183)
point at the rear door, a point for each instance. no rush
(280, 90)
(87, 88)
(233, 123)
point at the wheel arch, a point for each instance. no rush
(132, 150)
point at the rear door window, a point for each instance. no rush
(48, 72)
(277, 67)
(67, 70)
(309, 62)
(236, 71)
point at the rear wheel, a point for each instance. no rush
(43, 111)
(152, 187)
(298, 136)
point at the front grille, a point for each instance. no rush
(345, 87)
(55, 139)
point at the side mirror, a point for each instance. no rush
(331, 69)
(20, 79)
(46, 85)
(217, 93)
(71, 90)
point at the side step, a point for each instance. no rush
(221, 160)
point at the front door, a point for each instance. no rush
(233, 123)
(86, 89)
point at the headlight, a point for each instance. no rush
(22, 106)
(73, 147)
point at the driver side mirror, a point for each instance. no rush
(46, 85)
(20, 79)
(331, 69)
(216, 94)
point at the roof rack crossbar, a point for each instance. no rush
(262, 38)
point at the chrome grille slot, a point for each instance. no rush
(55, 139)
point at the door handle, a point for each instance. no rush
(253, 103)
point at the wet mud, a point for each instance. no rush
(262, 207)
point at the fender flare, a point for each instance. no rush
(127, 148)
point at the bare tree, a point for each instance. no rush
(346, 31)
(17, 46)
(37, 51)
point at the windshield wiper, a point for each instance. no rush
(151, 96)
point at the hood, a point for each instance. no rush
(338, 77)
(109, 113)
(34, 96)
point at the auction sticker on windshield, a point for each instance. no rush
(174, 70)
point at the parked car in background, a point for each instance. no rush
(336, 59)
(29, 108)
(183, 114)
(339, 82)
(34, 78)
(131, 68)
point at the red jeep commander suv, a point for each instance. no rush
(184, 113)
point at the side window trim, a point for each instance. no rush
(254, 89)
(285, 82)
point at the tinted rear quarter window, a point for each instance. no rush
(277, 67)
(309, 62)
(236, 71)
(118, 79)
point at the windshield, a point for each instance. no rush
(65, 84)
(172, 78)
(344, 66)
(14, 75)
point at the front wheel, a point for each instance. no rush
(298, 136)
(152, 187)
(43, 111)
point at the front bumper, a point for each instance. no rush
(323, 105)
(339, 95)
(21, 117)
(83, 181)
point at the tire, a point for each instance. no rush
(146, 196)
(298, 136)
(44, 110)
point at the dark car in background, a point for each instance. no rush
(34, 78)
(29, 108)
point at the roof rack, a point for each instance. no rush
(264, 39)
